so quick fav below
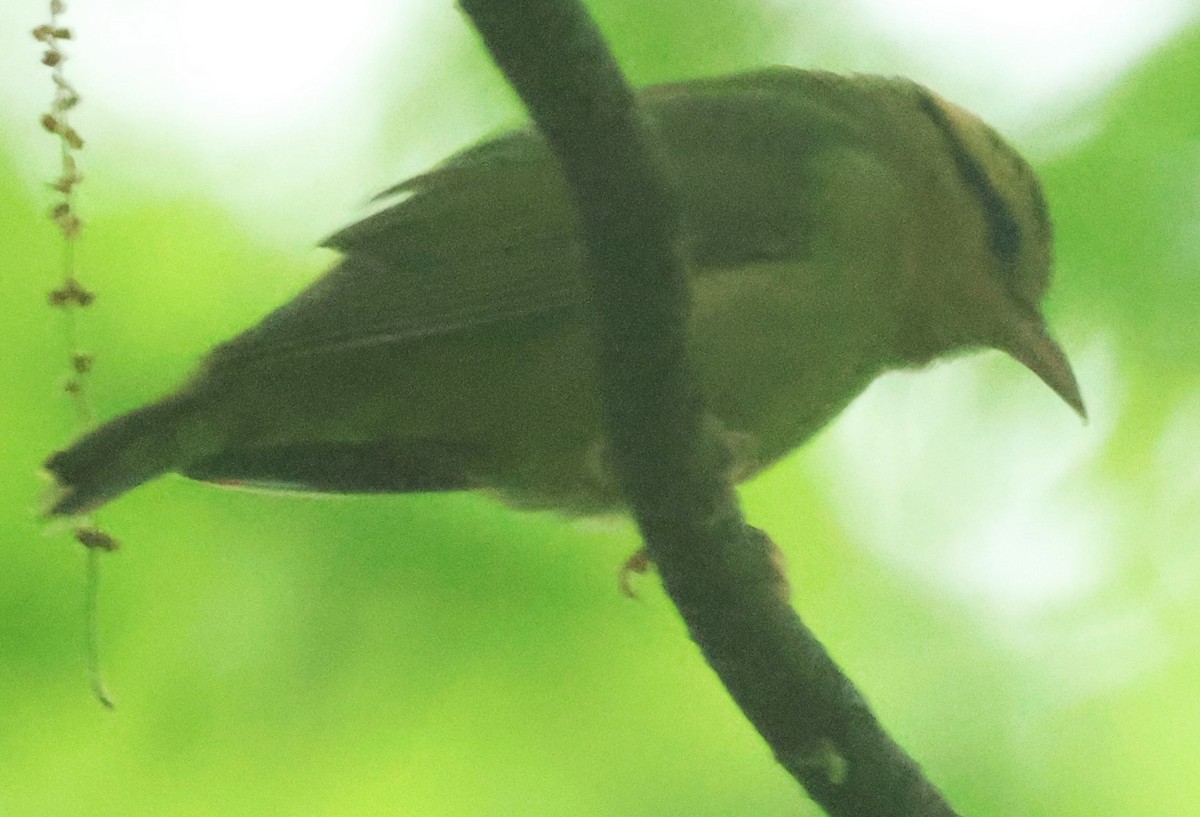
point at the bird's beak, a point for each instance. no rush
(1032, 346)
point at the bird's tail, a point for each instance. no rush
(118, 456)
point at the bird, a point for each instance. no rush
(835, 226)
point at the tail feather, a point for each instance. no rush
(116, 457)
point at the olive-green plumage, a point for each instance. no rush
(836, 227)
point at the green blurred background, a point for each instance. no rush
(1016, 593)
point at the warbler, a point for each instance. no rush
(836, 227)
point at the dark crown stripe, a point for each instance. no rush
(1004, 234)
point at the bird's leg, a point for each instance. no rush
(743, 464)
(639, 563)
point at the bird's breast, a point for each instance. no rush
(782, 347)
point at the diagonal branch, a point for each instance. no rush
(672, 466)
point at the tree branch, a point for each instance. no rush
(672, 465)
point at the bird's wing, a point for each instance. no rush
(488, 235)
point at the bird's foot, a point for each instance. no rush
(640, 563)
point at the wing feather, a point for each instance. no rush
(480, 239)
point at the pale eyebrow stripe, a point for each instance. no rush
(1004, 233)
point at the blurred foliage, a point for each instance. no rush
(445, 656)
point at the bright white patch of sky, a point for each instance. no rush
(963, 479)
(1013, 541)
(1026, 55)
(226, 70)
(262, 105)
